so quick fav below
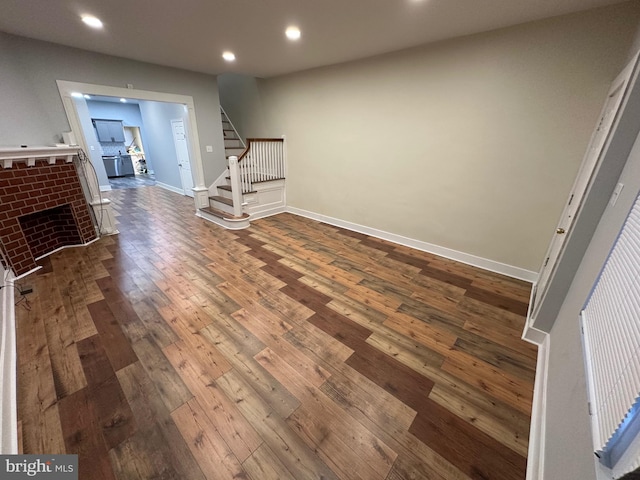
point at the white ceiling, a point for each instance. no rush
(192, 34)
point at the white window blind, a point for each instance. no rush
(611, 325)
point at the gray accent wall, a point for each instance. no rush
(32, 110)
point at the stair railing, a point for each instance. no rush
(263, 160)
(228, 120)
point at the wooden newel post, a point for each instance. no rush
(236, 189)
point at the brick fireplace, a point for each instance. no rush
(42, 208)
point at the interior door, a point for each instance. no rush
(589, 165)
(182, 151)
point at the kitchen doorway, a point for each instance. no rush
(162, 103)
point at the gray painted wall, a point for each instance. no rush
(568, 447)
(161, 150)
(32, 109)
(240, 98)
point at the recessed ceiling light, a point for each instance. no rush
(76, 94)
(229, 56)
(92, 21)
(88, 97)
(292, 33)
(123, 100)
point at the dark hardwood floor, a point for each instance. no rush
(290, 350)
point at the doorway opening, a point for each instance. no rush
(147, 135)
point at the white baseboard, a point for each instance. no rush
(8, 359)
(533, 335)
(105, 188)
(267, 213)
(535, 455)
(171, 188)
(484, 263)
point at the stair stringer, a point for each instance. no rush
(221, 180)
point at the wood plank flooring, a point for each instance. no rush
(290, 350)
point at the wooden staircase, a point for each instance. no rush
(233, 143)
(221, 205)
(256, 171)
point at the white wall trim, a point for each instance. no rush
(171, 188)
(535, 455)
(8, 365)
(105, 188)
(267, 213)
(484, 263)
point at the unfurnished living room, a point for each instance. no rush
(320, 240)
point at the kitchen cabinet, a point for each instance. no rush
(109, 130)
(118, 165)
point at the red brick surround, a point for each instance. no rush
(30, 191)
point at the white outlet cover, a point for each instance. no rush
(209, 148)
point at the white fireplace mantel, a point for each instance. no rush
(8, 155)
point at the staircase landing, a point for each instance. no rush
(224, 219)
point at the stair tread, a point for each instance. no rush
(218, 198)
(222, 214)
(227, 188)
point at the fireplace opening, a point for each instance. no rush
(48, 230)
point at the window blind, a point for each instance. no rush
(611, 328)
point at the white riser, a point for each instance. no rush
(224, 193)
(221, 206)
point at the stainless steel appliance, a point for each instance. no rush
(118, 165)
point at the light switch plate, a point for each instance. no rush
(209, 148)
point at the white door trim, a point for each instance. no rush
(66, 88)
